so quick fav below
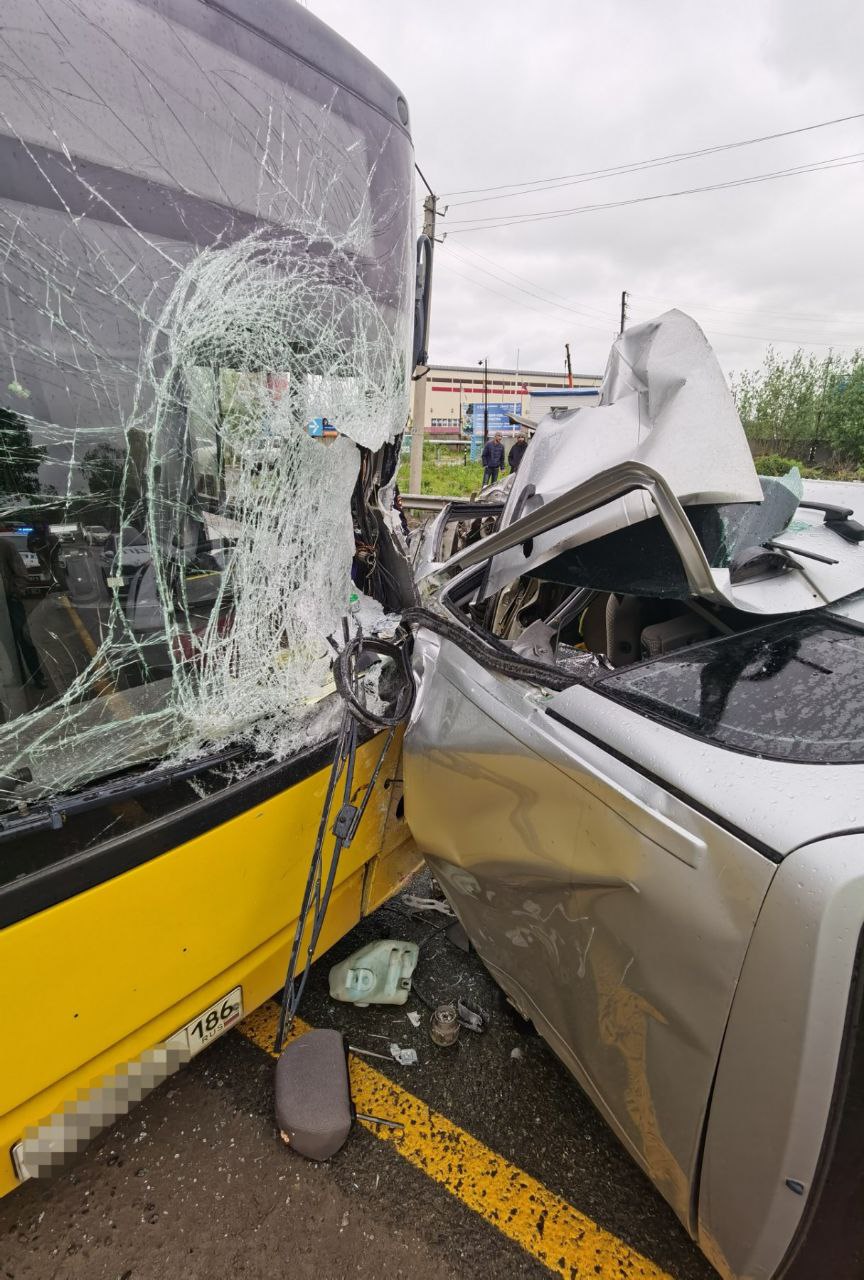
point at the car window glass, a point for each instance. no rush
(791, 691)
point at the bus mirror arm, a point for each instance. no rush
(422, 299)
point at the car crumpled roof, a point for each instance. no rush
(664, 403)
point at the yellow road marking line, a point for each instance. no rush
(568, 1242)
(75, 618)
(102, 683)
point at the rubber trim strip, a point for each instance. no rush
(745, 837)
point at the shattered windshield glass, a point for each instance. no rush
(206, 248)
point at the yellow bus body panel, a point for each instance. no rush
(93, 982)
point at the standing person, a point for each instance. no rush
(517, 449)
(492, 459)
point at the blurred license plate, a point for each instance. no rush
(213, 1022)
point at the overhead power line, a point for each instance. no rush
(490, 223)
(754, 337)
(848, 322)
(675, 157)
(537, 292)
(594, 311)
(508, 297)
(498, 294)
(609, 327)
(795, 342)
(772, 338)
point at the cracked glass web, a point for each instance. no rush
(206, 260)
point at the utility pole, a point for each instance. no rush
(569, 365)
(624, 296)
(421, 373)
(485, 364)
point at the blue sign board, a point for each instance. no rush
(321, 427)
(497, 414)
(498, 420)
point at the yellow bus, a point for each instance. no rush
(206, 245)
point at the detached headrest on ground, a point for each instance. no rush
(313, 1094)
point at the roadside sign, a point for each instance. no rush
(498, 416)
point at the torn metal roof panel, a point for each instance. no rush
(664, 404)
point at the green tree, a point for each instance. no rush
(798, 403)
(843, 409)
(20, 459)
(103, 470)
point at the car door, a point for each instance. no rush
(614, 914)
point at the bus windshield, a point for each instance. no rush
(207, 244)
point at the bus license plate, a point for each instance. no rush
(213, 1022)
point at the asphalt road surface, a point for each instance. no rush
(504, 1168)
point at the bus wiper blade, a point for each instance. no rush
(51, 815)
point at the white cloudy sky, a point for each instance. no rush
(506, 92)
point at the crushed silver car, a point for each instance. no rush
(642, 695)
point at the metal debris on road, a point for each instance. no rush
(444, 1025)
(470, 1018)
(405, 1057)
(368, 1053)
(416, 903)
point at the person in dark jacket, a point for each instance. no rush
(45, 545)
(517, 449)
(492, 459)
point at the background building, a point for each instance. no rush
(454, 395)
